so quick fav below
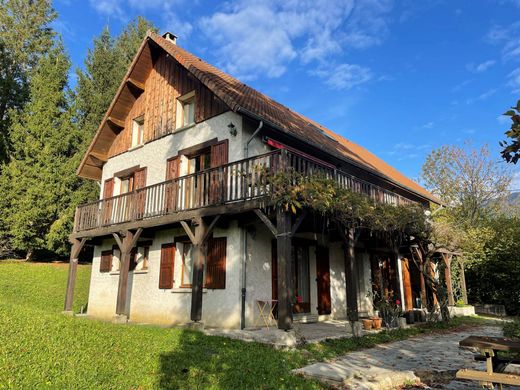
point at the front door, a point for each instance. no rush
(301, 279)
(323, 279)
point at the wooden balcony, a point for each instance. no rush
(235, 183)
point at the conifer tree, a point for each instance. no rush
(37, 179)
(25, 36)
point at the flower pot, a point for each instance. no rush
(376, 323)
(367, 324)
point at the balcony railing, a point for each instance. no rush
(239, 181)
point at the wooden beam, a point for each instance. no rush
(188, 231)
(421, 274)
(199, 252)
(116, 122)
(351, 273)
(298, 222)
(211, 226)
(75, 250)
(118, 241)
(447, 276)
(136, 84)
(129, 240)
(285, 287)
(266, 221)
(463, 282)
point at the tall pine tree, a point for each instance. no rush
(44, 144)
(25, 36)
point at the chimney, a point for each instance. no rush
(170, 37)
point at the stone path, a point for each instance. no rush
(404, 362)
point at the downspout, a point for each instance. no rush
(244, 264)
(246, 147)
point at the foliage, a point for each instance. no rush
(389, 308)
(293, 190)
(37, 178)
(511, 148)
(41, 348)
(512, 328)
(493, 272)
(468, 180)
(25, 37)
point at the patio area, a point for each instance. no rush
(308, 332)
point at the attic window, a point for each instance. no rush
(185, 110)
(137, 131)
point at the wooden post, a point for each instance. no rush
(407, 284)
(125, 247)
(77, 245)
(447, 276)
(351, 275)
(285, 287)
(197, 284)
(463, 282)
(421, 278)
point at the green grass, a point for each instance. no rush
(41, 348)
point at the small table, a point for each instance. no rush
(495, 366)
(266, 309)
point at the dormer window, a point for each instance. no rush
(185, 110)
(138, 131)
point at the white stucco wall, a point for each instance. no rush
(149, 304)
(153, 155)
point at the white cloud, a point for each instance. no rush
(344, 76)
(515, 183)
(428, 125)
(503, 119)
(480, 68)
(482, 96)
(121, 9)
(263, 37)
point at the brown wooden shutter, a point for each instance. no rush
(167, 264)
(140, 178)
(218, 178)
(216, 263)
(172, 168)
(140, 196)
(108, 189)
(219, 153)
(172, 172)
(105, 264)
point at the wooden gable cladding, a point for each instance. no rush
(166, 81)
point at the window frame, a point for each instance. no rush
(183, 266)
(137, 139)
(180, 118)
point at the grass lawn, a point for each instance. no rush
(41, 348)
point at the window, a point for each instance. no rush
(105, 265)
(187, 264)
(185, 110)
(127, 184)
(138, 131)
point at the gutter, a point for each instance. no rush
(246, 147)
(340, 157)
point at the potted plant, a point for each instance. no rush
(376, 322)
(367, 323)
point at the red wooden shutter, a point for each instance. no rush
(105, 264)
(108, 189)
(216, 263)
(219, 153)
(167, 263)
(218, 178)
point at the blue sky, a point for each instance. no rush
(398, 77)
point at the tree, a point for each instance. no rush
(511, 149)
(39, 179)
(25, 36)
(468, 180)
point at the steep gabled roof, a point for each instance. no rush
(242, 98)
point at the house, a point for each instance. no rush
(183, 230)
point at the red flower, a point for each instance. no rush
(398, 302)
(299, 299)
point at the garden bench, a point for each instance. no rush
(488, 348)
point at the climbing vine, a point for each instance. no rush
(292, 191)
